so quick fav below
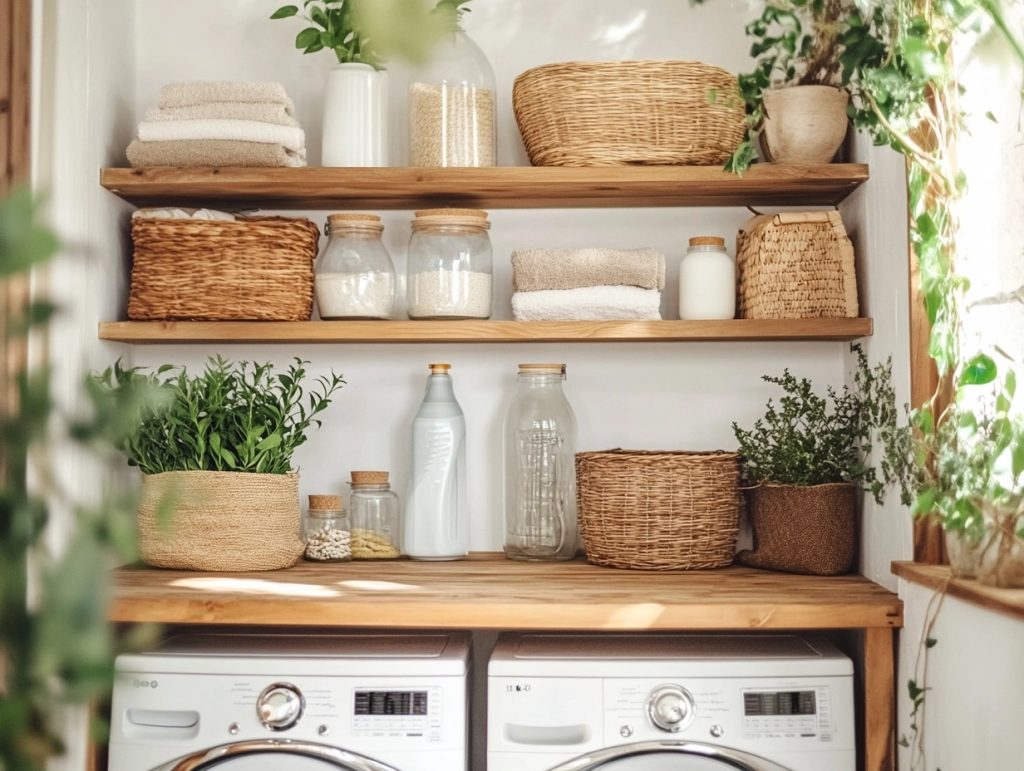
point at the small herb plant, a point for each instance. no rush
(810, 440)
(231, 417)
(333, 25)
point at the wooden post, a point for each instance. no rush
(879, 699)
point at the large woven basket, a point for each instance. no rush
(252, 269)
(223, 521)
(658, 510)
(619, 113)
(796, 265)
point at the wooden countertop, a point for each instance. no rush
(490, 592)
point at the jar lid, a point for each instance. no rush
(326, 503)
(707, 241)
(369, 477)
(470, 219)
(543, 369)
(439, 369)
(354, 221)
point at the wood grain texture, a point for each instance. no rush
(473, 331)
(510, 187)
(1008, 601)
(879, 700)
(496, 593)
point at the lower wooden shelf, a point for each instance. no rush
(490, 592)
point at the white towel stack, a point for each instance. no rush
(220, 123)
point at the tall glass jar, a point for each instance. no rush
(325, 530)
(707, 280)
(452, 105)
(540, 468)
(355, 277)
(375, 517)
(450, 265)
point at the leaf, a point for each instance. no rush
(980, 370)
(930, 642)
(272, 442)
(284, 12)
(991, 116)
(307, 37)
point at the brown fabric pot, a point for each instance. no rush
(810, 530)
(220, 521)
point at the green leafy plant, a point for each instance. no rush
(334, 25)
(809, 439)
(231, 417)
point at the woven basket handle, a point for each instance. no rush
(797, 217)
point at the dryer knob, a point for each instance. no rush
(670, 708)
(280, 706)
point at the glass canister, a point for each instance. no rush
(355, 277)
(450, 265)
(452, 104)
(375, 517)
(325, 530)
(707, 280)
(540, 468)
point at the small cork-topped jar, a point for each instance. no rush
(375, 517)
(707, 280)
(450, 265)
(325, 530)
(355, 278)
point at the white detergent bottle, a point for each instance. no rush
(435, 525)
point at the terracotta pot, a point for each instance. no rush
(804, 124)
(810, 529)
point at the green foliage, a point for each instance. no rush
(231, 417)
(810, 439)
(333, 25)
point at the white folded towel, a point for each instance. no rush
(188, 93)
(289, 137)
(183, 214)
(593, 303)
(262, 112)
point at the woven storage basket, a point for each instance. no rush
(223, 521)
(658, 510)
(619, 113)
(797, 265)
(252, 269)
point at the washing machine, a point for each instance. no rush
(668, 702)
(235, 702)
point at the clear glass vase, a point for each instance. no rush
(1001, 556)
(540, 468)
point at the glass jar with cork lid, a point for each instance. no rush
(325, 530)
(375, 517)
(707, 280)
(355, 277)
(450, 265)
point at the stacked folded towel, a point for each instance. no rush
(587, 284)
(230, 123)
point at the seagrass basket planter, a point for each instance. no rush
(658, 510)
(625, 113)
(219, 521)
(250, 269)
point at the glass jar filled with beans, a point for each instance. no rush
(375, 517)
(326, 531)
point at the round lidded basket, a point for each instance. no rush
(651, 510)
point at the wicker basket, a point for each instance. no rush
(251, 269)
(658, 510)
(620, 113)
(797, 265)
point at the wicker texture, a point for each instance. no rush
(658, 510)
(796, 265)
(252, 269)
(219, 520)
(810, 530)
(621, 113)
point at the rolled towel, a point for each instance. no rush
(537, 269)
(262, 112)
(188, 93)
(290, 137)
(211, 152)
(594, 303)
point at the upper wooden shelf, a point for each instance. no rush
(468, 331)
(940, 578)
(511, 187)
(490, 592)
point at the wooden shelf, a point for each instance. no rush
(1009, 601)
(490, 592)
(510, 187)
(144, 332)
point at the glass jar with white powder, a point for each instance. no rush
(707, 281)
(450, 265)
(355, 278)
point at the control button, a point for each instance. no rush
(280, 706)
(322, 730)
(626, 731)
(233, 729)
(717, 731)
(670, 708)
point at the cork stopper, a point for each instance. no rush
(467, 219)
(369, 477)
(439, 369)
(325, 503)
(707, 241)
(354, 221)
(542, 369)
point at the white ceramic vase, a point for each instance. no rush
(804, 124)
(354, 127)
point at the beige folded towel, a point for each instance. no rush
(262, 112)
(539, 269)
(211, 152)
(291, 137)
(195, 92)
(592, 303)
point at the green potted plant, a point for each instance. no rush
(803, 462)
(215, 450)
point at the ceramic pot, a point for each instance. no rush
(804, 124)
(354, 117)
(1001, 556)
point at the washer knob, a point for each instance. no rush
(280, 706)
(670, 708)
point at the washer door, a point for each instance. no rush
(272, 755)
(668, 756)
